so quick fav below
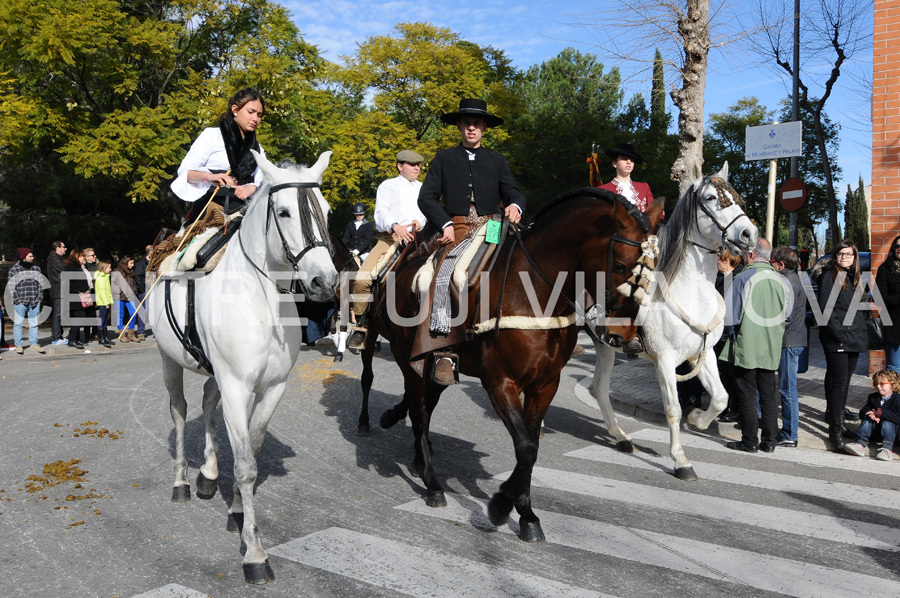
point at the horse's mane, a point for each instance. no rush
(673, 242)
(593, 193)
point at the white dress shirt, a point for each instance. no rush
(397, 202)
(207, 153)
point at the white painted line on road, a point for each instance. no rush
(173, 590)
(811, 458)
(789, 521)
(782, 576)
(851, 493)
(416, 571)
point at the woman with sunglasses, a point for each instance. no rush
(842, 341)
(888, 280)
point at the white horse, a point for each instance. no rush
(246, 324)
(683, 314)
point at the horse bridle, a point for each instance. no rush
(310, 212)
(724, 202)
(613, 239)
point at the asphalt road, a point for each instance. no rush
(86, 474)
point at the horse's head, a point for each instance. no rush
(290, 213)
(720, 217)
(618, 328)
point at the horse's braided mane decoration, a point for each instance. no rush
(594, 193)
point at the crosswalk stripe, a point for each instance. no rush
(783, 576)
(812, 458)
(885, 499)
(173, 590)
(811, 525)
(416, 571)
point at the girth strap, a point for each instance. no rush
(188, 337)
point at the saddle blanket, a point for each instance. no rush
(186, 259)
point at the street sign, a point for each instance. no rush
(770, 142)
(793, 194)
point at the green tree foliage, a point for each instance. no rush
(567, 103)
(856, 216)
(100, 99)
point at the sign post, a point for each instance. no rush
(770, 142)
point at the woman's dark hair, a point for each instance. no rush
(72, 258)
(852, 278)
(894, 244)
(123, 266)
(240, 99)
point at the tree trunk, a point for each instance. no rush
(694, 30)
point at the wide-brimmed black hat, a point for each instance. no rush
(624, 149)
(472, 107)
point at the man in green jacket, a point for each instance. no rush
(757, 304)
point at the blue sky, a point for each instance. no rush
(531, 31)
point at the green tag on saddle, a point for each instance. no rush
(492, 232)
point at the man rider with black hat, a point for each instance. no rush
(475, 183)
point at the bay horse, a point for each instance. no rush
(246, 326)
(589, 231)
(684, 317)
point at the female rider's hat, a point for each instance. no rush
(624, 149)
(472, 107)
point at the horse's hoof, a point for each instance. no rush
(388, 419)
(235, 523)
(181, 493)
(338, 357)
(625, 446)
(436, 499)
(364, 431)
(530, 531)
(498, 509)
(686, 473)
(257, 573)
(206, 488)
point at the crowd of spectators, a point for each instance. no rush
(75, 290)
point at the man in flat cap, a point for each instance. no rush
(397, 218)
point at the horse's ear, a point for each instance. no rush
(269, 170)
(723, 174)
(321, 165)
(696, 173)
(655, 211)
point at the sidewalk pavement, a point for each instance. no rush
(45, 336)
(634, 391)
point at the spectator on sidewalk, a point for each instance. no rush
(79, 285)
(844, 335)
(103, 290)
(140, 285)
(28, 290)
(880, 417)
(786, 263)
(728, 267)
(755, 328)
(55, 265)
(90, 264)
(888, 281)
(125, 289)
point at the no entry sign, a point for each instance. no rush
(793, 194)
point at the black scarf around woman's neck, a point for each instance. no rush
(238, 147)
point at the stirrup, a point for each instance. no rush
(357, 338)
(445, 368)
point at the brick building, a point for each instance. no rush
(885, 194)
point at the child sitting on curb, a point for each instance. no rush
(881, 415)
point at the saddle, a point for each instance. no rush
(202, 252)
